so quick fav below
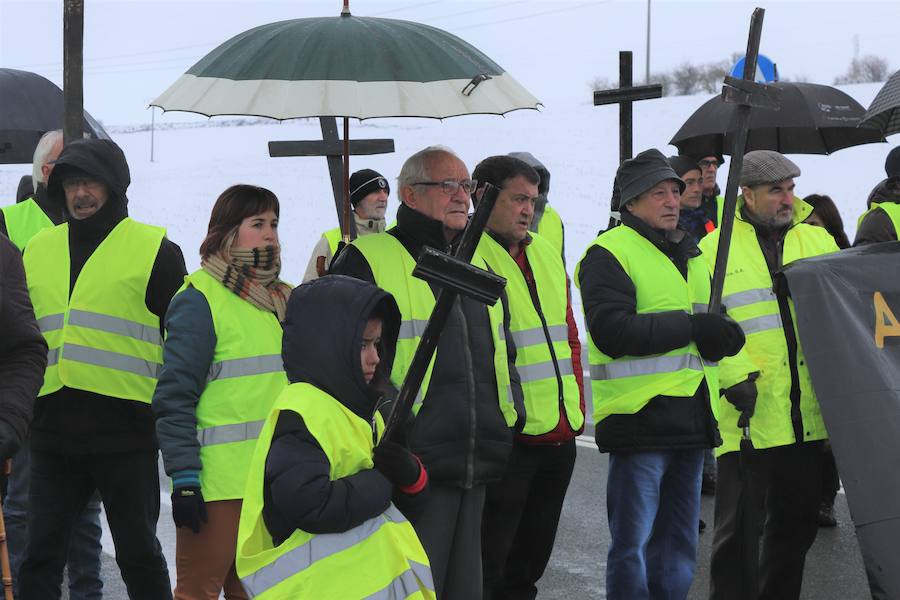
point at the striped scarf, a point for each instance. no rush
(252, 274)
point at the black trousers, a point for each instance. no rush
(785, 496)
(521, 514)
(61, 486)
(449, 527)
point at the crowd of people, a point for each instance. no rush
(267, 402)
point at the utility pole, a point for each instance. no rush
(73, 69)
(647, 70)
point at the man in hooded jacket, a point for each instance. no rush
(546, 222)
(20, 222)
(100, 284)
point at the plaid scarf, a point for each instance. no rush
(252, 274)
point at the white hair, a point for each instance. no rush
(416, 166)
(44, 147)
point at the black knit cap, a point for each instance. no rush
(639, 174)
(683, 164)
(364, 182)
(892, 163)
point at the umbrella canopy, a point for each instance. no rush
(884, 112)
(813, 119)
(30, 106)
(346, 66)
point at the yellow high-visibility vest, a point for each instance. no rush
(543, 354)
(550, 227)
(380, 558)
(24, 220)
(749, 297)
(625, 385)
(102, 338)
(392, 267)
(891, 209)
(245, 378)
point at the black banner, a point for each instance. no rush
(848, 316)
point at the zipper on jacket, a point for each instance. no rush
(470, 387)
(559, 383)
(790, 338)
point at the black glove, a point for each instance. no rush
(743, 397)
(396, 463)
(716, 336)
(188, 508)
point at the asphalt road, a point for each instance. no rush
(834, 569)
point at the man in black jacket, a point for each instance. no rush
(23, 353)
(652, 343)
(881, 221)
(462, 428)
(93, 428)
(21, 222)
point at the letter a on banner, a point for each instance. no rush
(886, 324)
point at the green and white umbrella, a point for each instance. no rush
(346, 66)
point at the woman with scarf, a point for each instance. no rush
(221, 372)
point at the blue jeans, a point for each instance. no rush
(84, 548)
(653, 505)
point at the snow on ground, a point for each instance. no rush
(577, 141)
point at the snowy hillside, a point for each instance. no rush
(577, 142)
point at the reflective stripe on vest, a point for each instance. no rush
(244, 379)
(315, 549)
(226, 434)
(748, 295)
(392, 268)
(380, 558)
(23, 221)
(540, 332)
(244, 367)
(646, 366)
(625, 385)
(101, 338)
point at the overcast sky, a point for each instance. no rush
(134, 50)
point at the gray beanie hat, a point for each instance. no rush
(766, 166)
(639, 174)
(683, 164)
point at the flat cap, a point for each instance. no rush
(767, 166)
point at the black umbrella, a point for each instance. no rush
(813, 119)
(30, 106)
(884, 112)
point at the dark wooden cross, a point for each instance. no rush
(624, 96)
(332, 148)
(73, 67)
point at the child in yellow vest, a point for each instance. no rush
(318, 519)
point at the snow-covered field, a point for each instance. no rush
(577, 141)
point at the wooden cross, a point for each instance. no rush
(73, 68)
(332, 148)
(624, 95)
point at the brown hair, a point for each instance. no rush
(233, 206)
(825, 208)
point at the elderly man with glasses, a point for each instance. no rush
(471, 398)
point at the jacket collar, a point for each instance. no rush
(421, 229)
(665, 241)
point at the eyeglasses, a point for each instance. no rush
(72, 183)
(451, 186)
(703, 164)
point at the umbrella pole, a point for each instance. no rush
(347, 230)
